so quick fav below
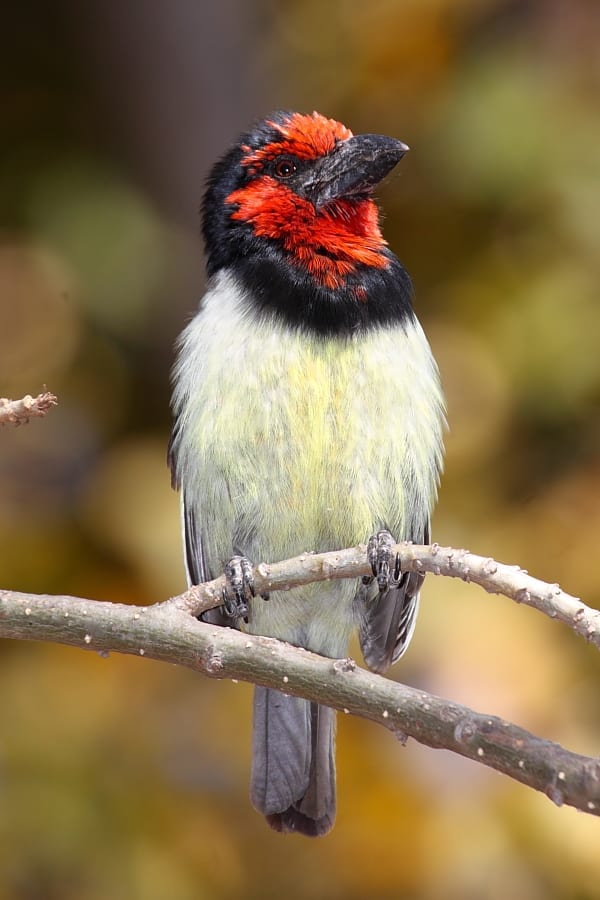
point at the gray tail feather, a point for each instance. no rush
(293, 765)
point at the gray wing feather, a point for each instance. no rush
(195, 560)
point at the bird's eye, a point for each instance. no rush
(284, 167)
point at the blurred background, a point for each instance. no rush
(125, 778)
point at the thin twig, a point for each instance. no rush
(495, 577)
(19, 412)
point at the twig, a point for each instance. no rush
(168, 632)
(18, 412)
(495, 577)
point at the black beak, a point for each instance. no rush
(354, 168)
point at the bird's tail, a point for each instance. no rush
(293, 766)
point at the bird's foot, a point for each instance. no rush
(239, 587)
(379, 556)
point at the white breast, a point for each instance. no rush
(290, 443)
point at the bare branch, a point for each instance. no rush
(167, 632)
(496, 578)
(19, 412)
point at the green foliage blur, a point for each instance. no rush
(126, 779)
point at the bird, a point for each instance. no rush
(307, 416)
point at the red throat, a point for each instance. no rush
(330, 243)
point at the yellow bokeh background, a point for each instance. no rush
(125, 778)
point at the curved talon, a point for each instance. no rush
(239, 589)
(397, 570)
(372, 554)
(233, 607)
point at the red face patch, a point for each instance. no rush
(330, 242)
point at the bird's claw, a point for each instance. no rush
(379, 556)
(239, 587)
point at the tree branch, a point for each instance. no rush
(19, 412)
(496, 578)
(169, 632)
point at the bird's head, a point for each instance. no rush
(289, 211)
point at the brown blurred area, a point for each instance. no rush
(123, 778)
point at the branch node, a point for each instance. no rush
(213, 661)
(555, 794)
(341, 666)
(490, 567)
(464, 731)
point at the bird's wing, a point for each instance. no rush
(193, 543)
(387, 619)
(195, 560)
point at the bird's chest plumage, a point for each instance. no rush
(301, 445)
(296, 443)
